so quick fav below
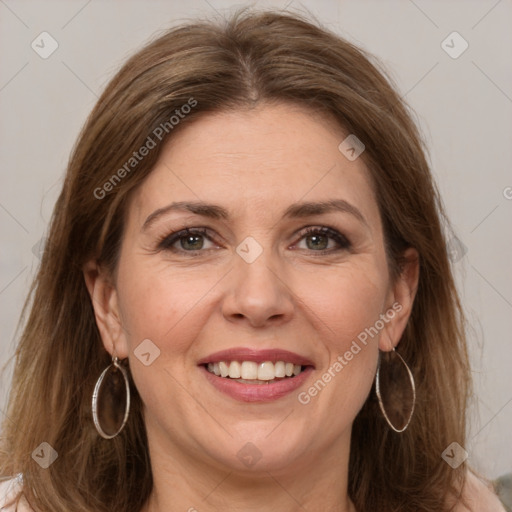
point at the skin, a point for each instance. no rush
(255, 164)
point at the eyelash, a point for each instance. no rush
(167, 242)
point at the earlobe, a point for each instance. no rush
(401, 300)
(104, 301)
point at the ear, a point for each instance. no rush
(106, 309)
(400, 300)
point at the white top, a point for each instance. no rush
(9, 489)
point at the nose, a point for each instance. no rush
(258, 294)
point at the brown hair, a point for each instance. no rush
(252, 57)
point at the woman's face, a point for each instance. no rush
(284, 261)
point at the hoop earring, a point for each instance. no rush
(399, 410)
(112, 389)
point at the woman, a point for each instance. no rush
(245, 301)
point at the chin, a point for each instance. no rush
(261, 449)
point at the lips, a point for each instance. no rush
(251, 375)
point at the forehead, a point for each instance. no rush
(255, 162)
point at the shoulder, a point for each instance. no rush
(479, 496)
(9, 490)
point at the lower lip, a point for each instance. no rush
(257, 392)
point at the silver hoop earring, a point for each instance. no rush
(111, 400)
(397, 404)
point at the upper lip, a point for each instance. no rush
(256, 355)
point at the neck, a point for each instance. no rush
(182, 482)
(264, 494)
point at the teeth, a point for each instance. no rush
(247, 371)
(279, 369)
(234, 370)
(266, 371)
(224, 369)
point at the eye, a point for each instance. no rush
(323, 239)
(187, 240)
(317, 239)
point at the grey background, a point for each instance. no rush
(463, 105)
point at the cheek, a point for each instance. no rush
(166, 310)
(155, 292)
(348, 304)
(159, 306)
(347, 301)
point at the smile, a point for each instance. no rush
(256, 375)
(251, 372)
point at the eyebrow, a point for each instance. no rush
(296, 210)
